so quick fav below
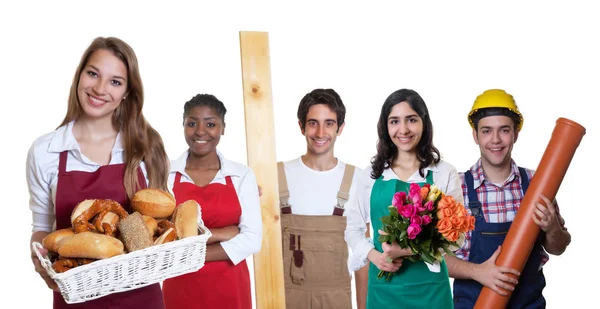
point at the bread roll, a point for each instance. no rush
(186, 219)
(151, 224)
(134, 233)
(52, 241)
(155, 203)
(90, 245)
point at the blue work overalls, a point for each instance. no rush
(485, 240)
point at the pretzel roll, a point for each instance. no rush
(90, 245)
(106, 223)
(169, 235)
(186, 219)
(52, 241)
(155, 203)
(85, 208)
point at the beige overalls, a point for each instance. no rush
(315, 254)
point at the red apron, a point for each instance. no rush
(105, 183)
(219, 284)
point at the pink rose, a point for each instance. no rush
(416, 198)
(407, 211)
(420, 208)
(399, 199)
(413, 230)
(426, 219)
(416, 220)
(429, 205)
(414, 189)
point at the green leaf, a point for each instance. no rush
(386, 220)
(427, 244)
(402, 235)
(383, 238)
(448, 252)
(427, 258)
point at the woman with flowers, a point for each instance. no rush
(405, 155)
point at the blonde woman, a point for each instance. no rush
(104, 148)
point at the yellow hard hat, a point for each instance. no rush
(495, 98)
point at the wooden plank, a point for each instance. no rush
(260, 145)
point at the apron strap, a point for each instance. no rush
(474, 203)
(524, 187)
(62, 162)
(177, 177)
(344, 192)
(284, 193)
(429, 177)
(524, 179)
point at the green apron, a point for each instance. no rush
(414, 286)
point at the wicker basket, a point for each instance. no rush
(129, 271)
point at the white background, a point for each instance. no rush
(545, 54)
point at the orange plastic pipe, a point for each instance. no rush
(523, 232)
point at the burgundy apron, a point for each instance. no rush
(105, 183)
(219, 284)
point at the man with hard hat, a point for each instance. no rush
(493, 189)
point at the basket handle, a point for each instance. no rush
(200, 221)
(201, 227)
(44, 260)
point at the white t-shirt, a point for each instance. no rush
(315, 192)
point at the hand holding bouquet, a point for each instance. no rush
(426, 221)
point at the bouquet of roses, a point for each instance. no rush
(427, 221)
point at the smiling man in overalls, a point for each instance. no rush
(313, 190)
(493, 190)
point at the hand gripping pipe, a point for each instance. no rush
(523, 232)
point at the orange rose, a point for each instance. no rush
(446, 201)
(451, 235)
(460, 210)
(444, 225)
(464, 224)
(444, 213)
(471, 223)
(456, 222)
(424, 192)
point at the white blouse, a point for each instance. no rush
(358, 209)
(42, 171)
(248, 241)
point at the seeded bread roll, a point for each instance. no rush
(134, 233)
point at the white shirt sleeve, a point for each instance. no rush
(40, 199)
(249, 240)
(358, 216)
(449, 182)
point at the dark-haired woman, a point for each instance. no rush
(405, 155)
(228, 195)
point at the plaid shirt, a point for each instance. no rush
(499, 204)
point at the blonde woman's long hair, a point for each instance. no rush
(141, 142)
